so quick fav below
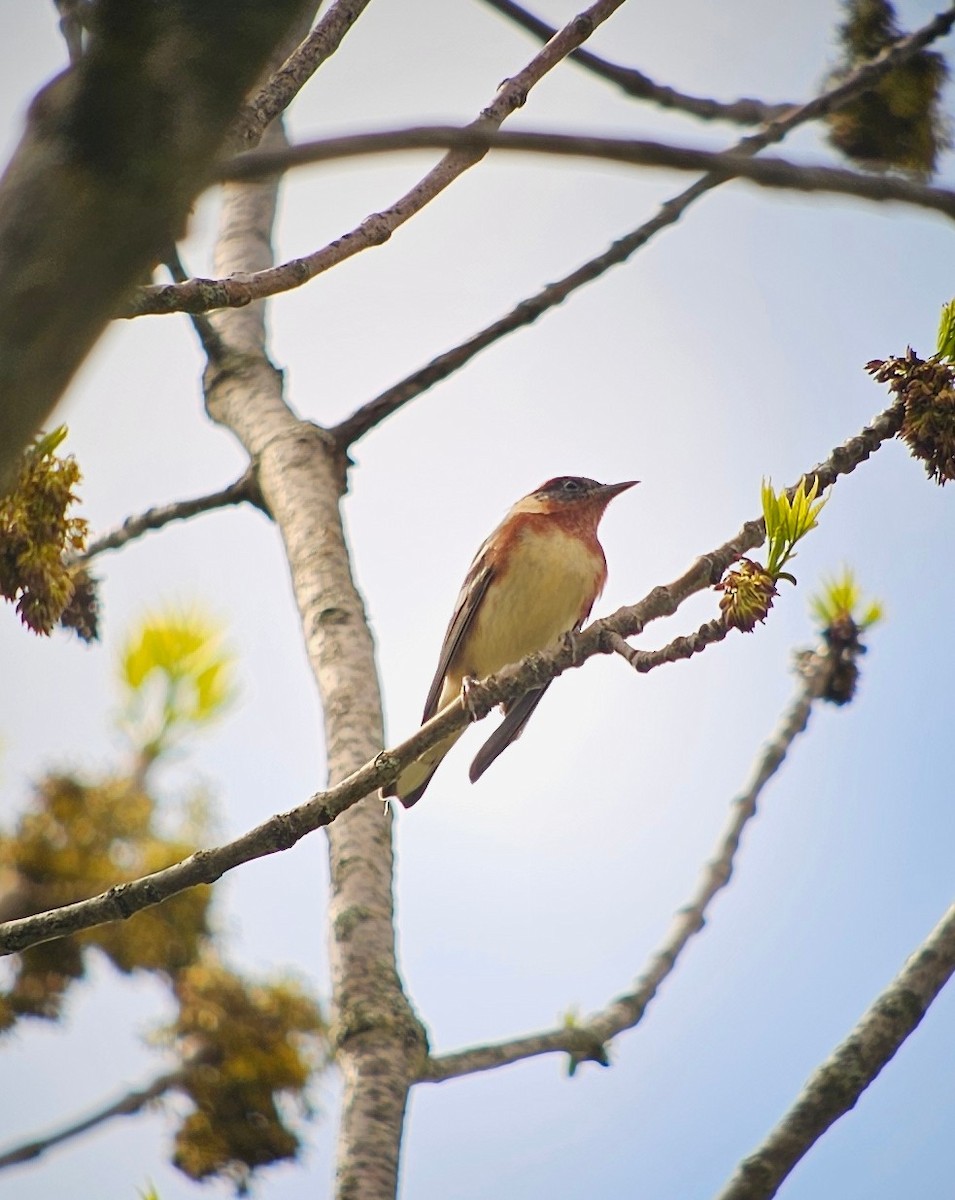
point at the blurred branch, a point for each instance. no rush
(244, 489)
(528, 310)
(281, 89)
(285, 829)
(126, 1106)
(641, 87)
(766, 172)
(113, 153)
(837, 1084)
(587, 1039)
(201, 295)
(72, 25)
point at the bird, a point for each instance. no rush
(534, 579)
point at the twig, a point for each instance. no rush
(766, 172)
(278, 93)
(133, 1102)
(680, 648)
(641, 87)
(838, 1083)
(200, 295)
(243, 489)
(588, 1039)
(285, 829)
(528, 310)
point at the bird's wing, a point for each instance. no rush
(469, 600)
(508, 731)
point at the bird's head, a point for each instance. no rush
(572, 500)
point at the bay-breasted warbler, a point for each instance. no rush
(535, 578)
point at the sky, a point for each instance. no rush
(728, 350)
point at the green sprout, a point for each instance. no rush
(749, 589)
(787, 522)
(843, 617)
(946, 333)
(840, 600)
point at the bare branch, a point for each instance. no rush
(588, 1039)
(838, 1083)
(244, 489)
(641, 87)
(201, 295)
(680, 648)
(133, 1102)
(766, 172)
(285, 829)
(527, 311)
(282, 88)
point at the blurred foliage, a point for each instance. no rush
(82, 613)
(843, 617)
(177, 677)
(36, 533)
(75, 840)
(244, 1047)
(897, 124)
(840, 599)
(927, 390)
(749, 589)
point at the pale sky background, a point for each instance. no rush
(730, 349)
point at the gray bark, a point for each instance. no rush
(379, 1042)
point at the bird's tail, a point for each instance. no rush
(410, 785)
(509, 730)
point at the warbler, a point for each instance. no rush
(535, 578)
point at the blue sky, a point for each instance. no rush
(730, 349)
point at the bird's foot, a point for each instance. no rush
(571, 643)
(467, 685)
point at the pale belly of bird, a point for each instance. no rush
(541, 596)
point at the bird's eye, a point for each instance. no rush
(571, 485)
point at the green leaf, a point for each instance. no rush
(946, 332)
(788, 519)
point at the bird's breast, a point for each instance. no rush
(545, 582)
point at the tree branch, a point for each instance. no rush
(114, 152)
(133, 1102)
(201, 295)
(281, 89)
(634, 83)
(838, 1083)
(587, 1040)
(244, 489)
(766, 172)
(529, 310)
(285, 829)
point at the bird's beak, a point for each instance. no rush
(609, 490)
